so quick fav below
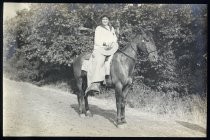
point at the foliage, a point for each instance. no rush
(42, 42)
(175, 34)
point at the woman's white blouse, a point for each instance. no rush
(103, 35)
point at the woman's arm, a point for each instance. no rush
(98, 40)
(114, 35)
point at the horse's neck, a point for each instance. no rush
(130, 59)
(131, 50)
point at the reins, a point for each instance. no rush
(128, 55)
(134, 51)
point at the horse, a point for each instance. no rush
(121, 72)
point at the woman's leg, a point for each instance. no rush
(96, 71)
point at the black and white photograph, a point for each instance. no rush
(104, 69)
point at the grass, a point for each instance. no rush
(189, 108)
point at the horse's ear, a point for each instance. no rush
(149, 34)
(141, 30)
(146, 32)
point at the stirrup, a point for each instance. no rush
(108, 80)
(93, 87)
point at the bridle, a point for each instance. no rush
(134, 59)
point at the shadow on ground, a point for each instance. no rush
(95, 110)
(192, 126)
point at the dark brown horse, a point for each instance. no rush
(122, 68)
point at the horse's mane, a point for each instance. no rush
(137, 33)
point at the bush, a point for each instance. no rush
(50, 34)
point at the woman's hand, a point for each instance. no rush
(104, 44)
(108, 48)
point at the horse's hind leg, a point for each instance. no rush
(84, 87)
(80, 96)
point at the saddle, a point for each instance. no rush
(113, 47)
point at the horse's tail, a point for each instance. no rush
(77, 71)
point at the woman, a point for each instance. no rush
(105, 44)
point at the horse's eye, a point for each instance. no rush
(145, 40)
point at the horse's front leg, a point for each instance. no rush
(87, 110)
(124, 93)
(118, 95)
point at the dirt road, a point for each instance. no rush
(29, 110)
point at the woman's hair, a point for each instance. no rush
(105, 15)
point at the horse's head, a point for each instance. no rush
(145, 43)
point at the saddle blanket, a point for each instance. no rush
(85, 65)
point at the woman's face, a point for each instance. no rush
(105, 21)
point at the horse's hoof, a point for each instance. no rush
(122, 125)
(89, 114)
(82, 115)
(123, 121)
